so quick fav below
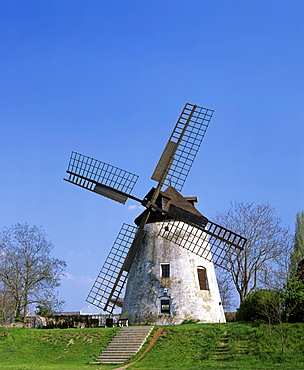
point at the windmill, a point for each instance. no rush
(168, 258)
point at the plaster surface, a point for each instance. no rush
(146, 288)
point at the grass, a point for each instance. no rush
(191, 346)
(63, 349)
(226, 346)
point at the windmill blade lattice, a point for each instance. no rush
(106, 289)
(214, 243)
(100, 177)
(183, 146)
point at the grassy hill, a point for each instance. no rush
(191, 346)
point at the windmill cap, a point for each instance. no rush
(166, 198)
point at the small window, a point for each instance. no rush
(165, 270)
(165, 306)
(202, 278)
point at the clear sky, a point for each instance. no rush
(108, 79)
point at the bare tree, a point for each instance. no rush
(6, 307)
(225, 288)
(27, 270)
(264, 261)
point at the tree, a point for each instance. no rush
(293, 298)
(226, 293)
(264, 261)
(28, 272)
(6, 307)
(297, 254)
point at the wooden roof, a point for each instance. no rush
(167, 198)
(172, 196)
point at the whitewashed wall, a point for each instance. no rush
(145, 287)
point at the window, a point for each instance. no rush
(165, 306)
(165, 270)
(202, 278)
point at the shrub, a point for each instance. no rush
(293, 296)
(230, 316)
(262, 305)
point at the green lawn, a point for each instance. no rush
(192, 346)
(52, 349)
(226, 346)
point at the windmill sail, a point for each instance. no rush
(182, 147)
(101, 178)
(213, 242)
(111, 279)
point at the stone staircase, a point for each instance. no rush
(227, 349)
(127, 342)
(222, 349)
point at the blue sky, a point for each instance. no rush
(109, 79)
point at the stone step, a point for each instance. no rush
(115, 354)
(114, 358)
(122, 332)
(126, 347)
(122, 349)
(109, 362)
(131, 337)
(137, 329)
(127, 342)
(118, 352)
(124, 342)
(134, 338)
(131, 334)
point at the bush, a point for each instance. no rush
(230, 316)
(261, 305)
(294, 300)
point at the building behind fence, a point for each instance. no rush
(65, 320)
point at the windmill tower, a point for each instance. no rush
(168, 258)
